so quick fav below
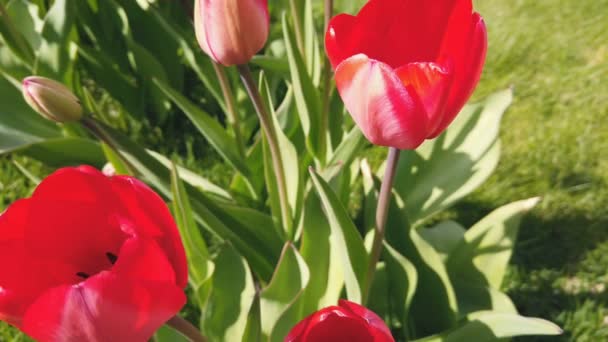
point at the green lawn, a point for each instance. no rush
(555, 142)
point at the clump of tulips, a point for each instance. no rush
(94, 256)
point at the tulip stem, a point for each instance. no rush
(186, 328)
(384, 200)
(329, 9)
(99, 132)
(297, 27)
(271, 137)
(233, 116)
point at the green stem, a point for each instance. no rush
(384, 201)
(99, 132)
(329, 8)
(298, 27)
(186, 328)
(233, 116)
(271, 137)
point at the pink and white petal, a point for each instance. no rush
(386, 111)
(105, 307)
(431, 82)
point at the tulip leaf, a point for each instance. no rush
(290, 278)
(346, 239)
(15, 30)
(209, 127)
(54, 56)
(487, 326)
(403, 278)
(168, 334)
(482, 256)
(469, 148)
(66, 151)
(473, 297)
(444, 237)
(306, 94)
(435, 296)
(199, 264)
(224, 316)
(311, 44)
(289, 160)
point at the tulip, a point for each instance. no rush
(231, 31)
(404, 69)
(51, 99)
(346, 322)
(90, 258)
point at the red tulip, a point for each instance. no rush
(90, 258)
(346, 322)
(405, 68)
(231, 31)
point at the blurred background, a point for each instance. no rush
(554, 53)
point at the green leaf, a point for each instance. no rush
(13, 34)
(473, 297)
(492, 326)
(289, 159)
(482, 257)
(290, 278)
(209, 127)
(54, 56)
(61, 152)
(167, 334)
(114, 158)
(224, 316)
(469, 148)
(272, 64)
(347, 239)
(306, 94)
(444, 237)
(346, 152)
(403, 280)
(200, 266)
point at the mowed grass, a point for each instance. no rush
(555, 145)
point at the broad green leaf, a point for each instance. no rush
(469, 149)
(253, 329)
(272, 64)
(346, 239)
(319, 248)
(167, 334)
(491, 326)
(444, 237)
(482, 257)
(14, 26)
(289, 160)
(54, 56)
(209, 127)
(290, 278)
(403, 280)
(67, 151)
(306, 95)
(115, 159)
(349, 6)
(344, 154)
(473, 297)
(311, 44)
(224, 316)
(200, 266)
(435, 296)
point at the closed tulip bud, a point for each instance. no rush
(51, 99)
(231, 31)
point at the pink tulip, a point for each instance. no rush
(231, 31)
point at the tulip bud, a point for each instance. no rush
(231, 31)
(51, 99)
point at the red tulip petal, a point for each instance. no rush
(23, 278)
(143, 259)
(13, 221)
(73, 232)
(336, 325)
(337, 39)
(150, 217)
(387, 112)
(432, 84)
(105, 307)
(296, 333)
(83, 184)
(466, 46)
(380, 331)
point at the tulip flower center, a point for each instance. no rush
(111, 257)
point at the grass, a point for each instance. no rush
(555, 142)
